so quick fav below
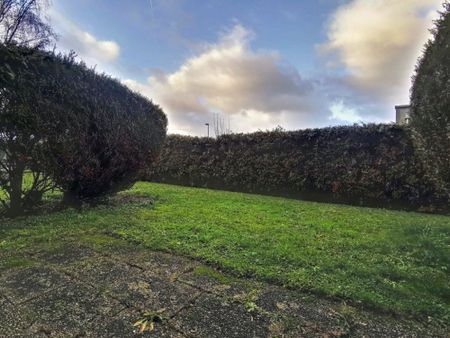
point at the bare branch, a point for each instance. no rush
(22, 22)
(221, 126)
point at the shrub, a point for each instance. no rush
(110, 133)
(93, 133)
(368, 165)
(21, 145)
(430, 99)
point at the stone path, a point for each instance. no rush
(79, 292)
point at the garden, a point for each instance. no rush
(111, 228)
(350, 268)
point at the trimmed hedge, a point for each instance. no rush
(430, 99)
(373, 165)
(72, 127)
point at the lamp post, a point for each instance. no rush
(207, 126)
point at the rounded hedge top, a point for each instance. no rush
(96, 134)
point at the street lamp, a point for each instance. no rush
(207, 126)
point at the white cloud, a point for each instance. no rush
(88, 47)
(378, 43)
(344, 114)
(373, 45)
(254, 88)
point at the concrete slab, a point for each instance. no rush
(103, 272)
(163, 264)
(153, 293)
(212, 317)
(69, 310)
(78, 292)
(13, 322)
(66, 255)
(20, 285)
(121, 326)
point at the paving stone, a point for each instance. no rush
(12, 321)
(104, 296)
(19, 285)
(163, 264)
(383, 328)
(211, 317)
(366, 324)
(212, 281)
(121, 326)
(67, 254)
(68, 310)
(121, 249)
(40, 330)
(297, 316)
(154, 294)
(103, 272)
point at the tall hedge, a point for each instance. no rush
(430, 100)
(86, 131)
(364, 165)
(100, 134)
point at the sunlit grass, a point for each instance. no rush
(390, 260)
(27, 183)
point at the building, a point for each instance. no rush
(402, 114)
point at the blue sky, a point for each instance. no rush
(256, 63)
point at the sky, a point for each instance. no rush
(256, 64)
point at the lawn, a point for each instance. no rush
(387, 260)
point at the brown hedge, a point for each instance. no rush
(372, 165)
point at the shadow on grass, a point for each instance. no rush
(53, 203)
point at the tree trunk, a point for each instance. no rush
(16, 188)
(71, 199)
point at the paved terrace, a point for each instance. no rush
(80, 292)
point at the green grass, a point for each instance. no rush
(389, 260)
(27, 183)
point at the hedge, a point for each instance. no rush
(372, 165)
(73, 128)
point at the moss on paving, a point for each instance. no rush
(7, 263)
(389, 260)
(205, 271)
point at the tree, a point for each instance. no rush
(22, 22)
(430, 100)
(221, 127)
(86, 131)
(21, 139)
(110, 133)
